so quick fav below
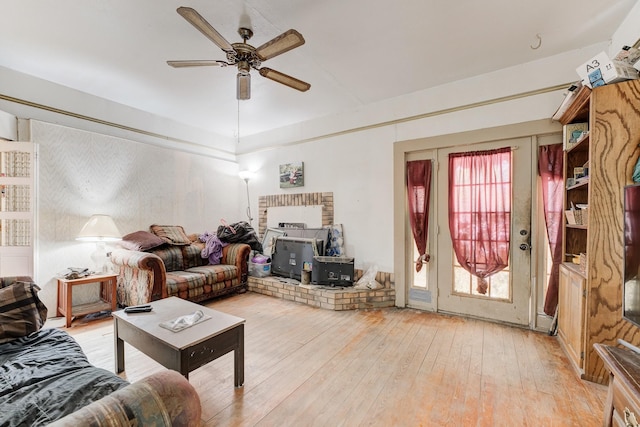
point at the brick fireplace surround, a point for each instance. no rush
(338, 298)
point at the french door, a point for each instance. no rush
(509, 291)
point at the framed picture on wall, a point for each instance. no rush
(292, 175)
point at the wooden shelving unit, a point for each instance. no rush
(590, 295)
(578, 110)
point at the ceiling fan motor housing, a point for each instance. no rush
(243, 67)
(245, 56)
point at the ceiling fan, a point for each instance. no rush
(243, 55)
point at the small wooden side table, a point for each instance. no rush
(108, 300)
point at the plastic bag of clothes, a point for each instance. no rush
(239, 232)
(368, 279)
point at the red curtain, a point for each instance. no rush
(480, 211)
(550, 158)
(419, 194)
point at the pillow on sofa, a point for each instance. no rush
(6, 281)
(172, 234)
(21, 311)
(141, 241)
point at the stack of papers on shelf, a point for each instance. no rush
(601, 70)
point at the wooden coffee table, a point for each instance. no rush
(181, 351)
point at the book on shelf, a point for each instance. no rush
(573, 133)
(571, 218)
(581, 180)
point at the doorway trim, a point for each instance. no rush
(462, 139)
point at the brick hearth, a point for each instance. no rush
(337, 299)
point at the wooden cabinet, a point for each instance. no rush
(17, 201)
(571, 301)
(612, 149)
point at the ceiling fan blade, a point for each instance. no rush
(286, 41)
(286, 80)
(197, 63)
(195, 19)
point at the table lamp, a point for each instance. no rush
(99, 229)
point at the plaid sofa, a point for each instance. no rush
(180, 271)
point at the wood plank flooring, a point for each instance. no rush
(307, 366)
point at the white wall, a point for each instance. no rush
(82, 173)
(87, 167)
(357, 168)
(49, 102)
(629, 31)
(355, 159)
(351, 154)
(8, 126)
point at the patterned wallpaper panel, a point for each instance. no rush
(81, 173)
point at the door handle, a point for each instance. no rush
(525, 246)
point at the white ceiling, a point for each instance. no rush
(357, 52)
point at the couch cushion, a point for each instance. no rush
(171, 257)
(185, 284)
(172, 234)
(192, 255)
(141, 241)
(216, 273)
(10, 280)
(21, 311)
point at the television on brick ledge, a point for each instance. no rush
(291, 255)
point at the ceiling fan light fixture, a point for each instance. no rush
(243, 86)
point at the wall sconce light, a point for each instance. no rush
(247, 176)
(99, 229)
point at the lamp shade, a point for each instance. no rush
(99, 228)
(246, 175)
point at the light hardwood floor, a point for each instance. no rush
(307, 366)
